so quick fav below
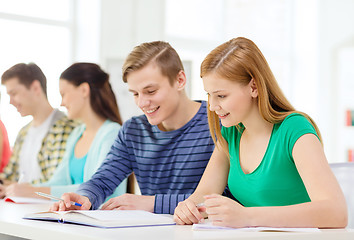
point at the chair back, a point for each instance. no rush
(344, 173)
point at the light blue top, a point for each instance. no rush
(76, 166)
(61, 181)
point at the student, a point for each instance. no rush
(270, 155)
(5, 151)
(88, 97)
(40, 145)
(167, 148)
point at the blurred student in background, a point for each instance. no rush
(270, 155)
(5, 151)
(40, 145)
(88, 97)
(167, 148)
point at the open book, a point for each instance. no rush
(104, 218)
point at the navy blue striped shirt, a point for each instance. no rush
(167, 164)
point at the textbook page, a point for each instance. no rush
(208, 226)
(105, 218)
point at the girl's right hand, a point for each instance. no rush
(188, 213)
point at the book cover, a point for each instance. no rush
(104, 218)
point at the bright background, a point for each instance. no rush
(308, 44)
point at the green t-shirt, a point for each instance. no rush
(276, 181)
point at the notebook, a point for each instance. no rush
(26, 200)
(104, 218)
(209, 226)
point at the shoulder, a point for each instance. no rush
(64, 124)
(293, 127)
(136, 123)
(200, 118)
(109, 128)
(23, 131)
(203, 110)
(296, 121)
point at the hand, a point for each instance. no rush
(130, 202)
(188, 213)
(66, 204)
(20, 190)
(223, 211)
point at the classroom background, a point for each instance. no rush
(309, 45)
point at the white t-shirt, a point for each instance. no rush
(29, 167)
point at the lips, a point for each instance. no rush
(223, 115)
(152, 110)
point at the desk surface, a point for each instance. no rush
(11, 223)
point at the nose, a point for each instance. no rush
(142, 101)
(12, 102)
(213, 105)
(62, 103)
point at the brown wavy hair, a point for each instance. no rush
(241, 60)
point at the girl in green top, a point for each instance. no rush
(270, 155)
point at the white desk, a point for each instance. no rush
(11, 223)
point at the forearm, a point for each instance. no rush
(321, 214)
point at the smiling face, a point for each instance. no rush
(231, 101)
(21, 97)
(73, 98)
(153, 94)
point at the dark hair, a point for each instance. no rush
(158, 52)
(26, 74)
(102, 98)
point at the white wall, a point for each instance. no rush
(304, 62)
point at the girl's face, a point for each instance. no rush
(73, 98)
(154, 95)
(230, 100)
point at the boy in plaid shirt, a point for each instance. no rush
(39, 145)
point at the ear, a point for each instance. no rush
(36, 87)
(181, 80)
(85, 89)
(253, 88)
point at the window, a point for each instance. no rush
(36, 31)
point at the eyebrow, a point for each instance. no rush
(146, 87)
(217, 91)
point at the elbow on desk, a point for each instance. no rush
(338, 218)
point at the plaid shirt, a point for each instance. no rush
(50, 154)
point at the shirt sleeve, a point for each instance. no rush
(166, 203)
(114, 169)
(295, 126)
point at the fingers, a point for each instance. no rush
(187, 213)
(66, 204)
(68, 197)
(54, 207)
(109, 205)
(116, 202)
(178, 220)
